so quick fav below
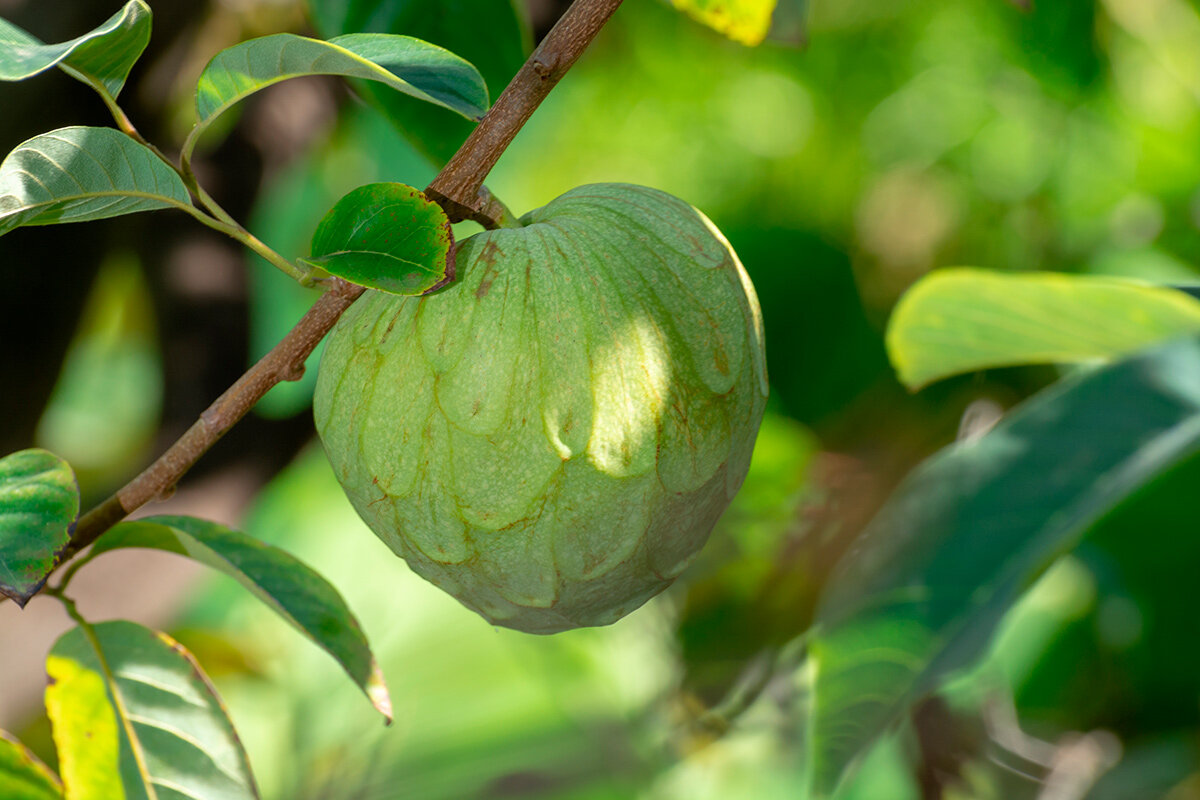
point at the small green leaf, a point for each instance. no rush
(962, 320)
(286, 585)
(934, 572)
(745, 21)
(102, 58)
(496, 42)
(408, 65)
(172, 733)
(386, 236)
(22, 776)
(78, 174)
(39, 501)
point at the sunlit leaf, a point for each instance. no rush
(402, 63)
(386, 236)
(85, 730)
(101, 58)
(39, 501)
(174, 737)
(22, 776)
(103, 413)
(923, 589)
(745, 21)
(294, 591)
(962, 320)
(79, 173)
(496, 42)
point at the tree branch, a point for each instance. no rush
(285, 362)
(457, 188)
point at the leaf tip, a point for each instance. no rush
(20, 598)
(377, 693)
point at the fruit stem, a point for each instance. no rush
(457, 187)
(495, 214)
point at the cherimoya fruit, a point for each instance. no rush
(552, 437)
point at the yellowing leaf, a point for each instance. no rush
(745, 21)
(85, 730)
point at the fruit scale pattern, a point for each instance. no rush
(552, 437)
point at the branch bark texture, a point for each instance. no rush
(457, 187)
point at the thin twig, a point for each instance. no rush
(457, 187)
(461, 179)
(216, 218)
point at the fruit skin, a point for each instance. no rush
(552, 438)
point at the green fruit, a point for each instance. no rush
(551, 438)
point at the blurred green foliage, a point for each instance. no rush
(104, 412)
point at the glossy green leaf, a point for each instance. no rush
(77, 174)
(923, 589)
(386, 236)
(39, 501)
(962, 320)
(173, 735)
(745, 21)
(293, 590)
(22, 776)
(496, 42)
(402, 63)
(104, 411)
(101, 58)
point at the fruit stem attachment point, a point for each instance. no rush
(457, 186)
(495, 214)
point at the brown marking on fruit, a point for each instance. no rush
(490, 251)
(721, 361)
(383, 495)
(391, 325)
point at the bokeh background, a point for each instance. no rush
(843, 159)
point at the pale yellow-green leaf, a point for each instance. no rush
(745, 21)
(962, 320)
(85, 731)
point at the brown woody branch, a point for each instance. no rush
(458, 188)
(285, 362)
